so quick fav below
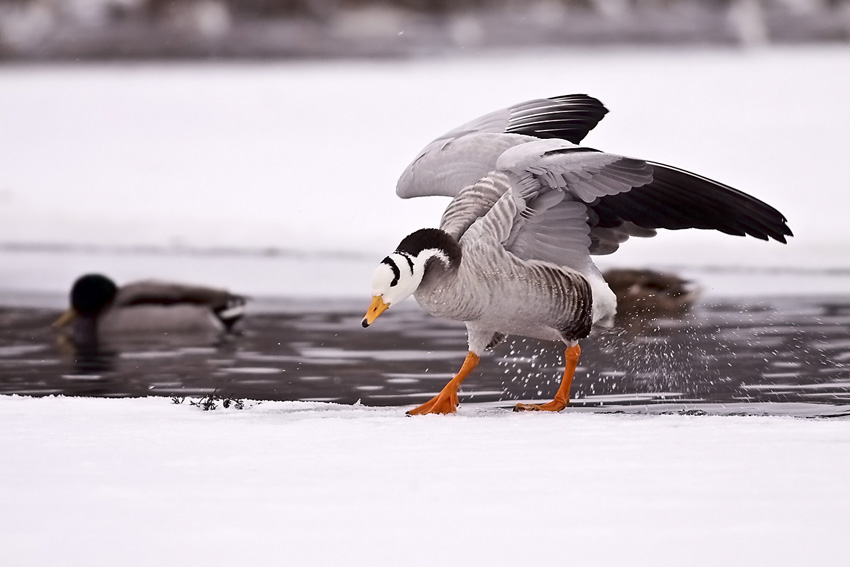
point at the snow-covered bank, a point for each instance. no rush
(305, 157)
(143, 482)
(301, 160)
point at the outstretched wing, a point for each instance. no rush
(468, 153)
(676, 199)
(552, 184)
(536, 202)
(560, 203)
(567, 117)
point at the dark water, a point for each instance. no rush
(747, 353)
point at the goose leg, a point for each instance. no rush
(446, 401)
(562, 398)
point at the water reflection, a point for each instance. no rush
(91, 358)
(748, 351)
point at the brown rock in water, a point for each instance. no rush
(648, 294)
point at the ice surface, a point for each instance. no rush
(294, 165)
(94, 482)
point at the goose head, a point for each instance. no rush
(399, 275)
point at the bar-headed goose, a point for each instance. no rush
(529, 208)
(101, 310)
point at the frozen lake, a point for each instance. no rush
(265, 178)
(298, 157)
(276, 180)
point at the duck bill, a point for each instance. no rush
(65, 319)
(377, 307)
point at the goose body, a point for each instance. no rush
(512, 254)
(101, 310)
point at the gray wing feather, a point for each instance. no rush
(469, 152)
(584, 173)
(545, 228)
(474, 202)
(558, 234)
(550, 185)
(446, 166)
(569, 117)
(607, 240)
(551, 181)
(540, 171)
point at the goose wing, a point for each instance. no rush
(468, 153)
(554, 201)
(537, 201)
(676, 199)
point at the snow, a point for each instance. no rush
(143, 481)
(303, 157)
(196, 172)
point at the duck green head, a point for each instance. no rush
(90, 296)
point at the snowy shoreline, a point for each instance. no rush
(303, 157)
(143, 481)
(296, 156)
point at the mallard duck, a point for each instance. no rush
(99, 308)
(512, 254)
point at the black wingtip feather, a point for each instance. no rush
(571, 118)
(677, 199)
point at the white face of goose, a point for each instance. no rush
(395, 279)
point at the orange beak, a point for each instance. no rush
(377, 307)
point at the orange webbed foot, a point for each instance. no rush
(554, 405)
(446, 401)
(562, 398)
(443, 403)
